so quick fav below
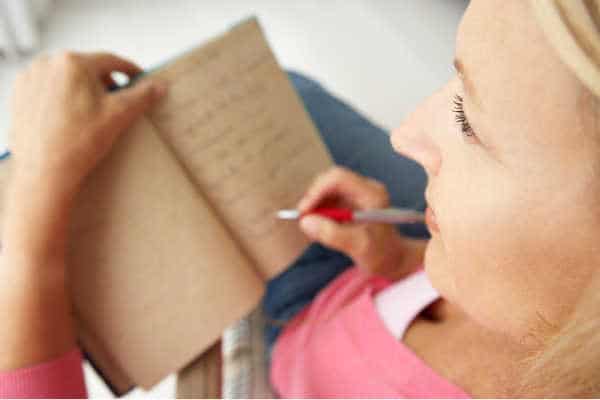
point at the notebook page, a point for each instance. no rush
(154, 275)
(238, 126)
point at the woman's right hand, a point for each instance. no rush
(64, 122)
(64, 119)
(375, 247)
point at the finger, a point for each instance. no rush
(103, 64)
(350, 239)
(354, 189)
(322, 187)
(124, 107)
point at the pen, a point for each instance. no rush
(383, 215)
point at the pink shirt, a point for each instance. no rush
(59, 378)
(339, 346)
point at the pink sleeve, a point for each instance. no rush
(59, 378)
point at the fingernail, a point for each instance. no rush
(311, 225)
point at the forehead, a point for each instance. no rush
(521, 84)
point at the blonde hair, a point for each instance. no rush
(569, 364)
(572, 27)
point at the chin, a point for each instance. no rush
(485, 312)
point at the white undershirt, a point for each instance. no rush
(401, 302)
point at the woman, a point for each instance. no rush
(511, 151)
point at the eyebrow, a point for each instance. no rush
(468, 83)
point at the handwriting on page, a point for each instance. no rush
(219, 153)
(244, 137)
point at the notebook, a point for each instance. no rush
(174, 235)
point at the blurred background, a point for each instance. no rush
(382, 56)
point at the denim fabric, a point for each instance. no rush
(357, 144)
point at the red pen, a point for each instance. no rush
(381, 215)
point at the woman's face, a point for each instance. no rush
(514, 187)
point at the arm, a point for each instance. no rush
(64, 122)
(34, 304)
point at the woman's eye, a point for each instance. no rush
(460, 117)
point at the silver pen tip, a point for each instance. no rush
(288, 214)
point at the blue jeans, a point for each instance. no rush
(357, 144)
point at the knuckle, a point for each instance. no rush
(323, 176)
(378, 186)
(380, 192)
(331, 177)
(67, 60)
(338, 173)
(374, 182)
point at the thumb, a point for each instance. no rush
(126, 106)
(345, 238)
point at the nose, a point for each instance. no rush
(411, 140)
(416, 136)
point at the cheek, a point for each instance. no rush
(477, 259)
(502, 254)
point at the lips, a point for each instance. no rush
(430, 220)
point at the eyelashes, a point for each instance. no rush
(460, 116)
